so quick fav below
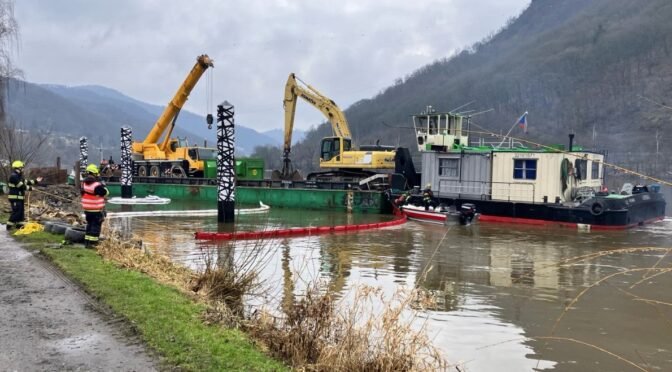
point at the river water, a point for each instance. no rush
(501, 287)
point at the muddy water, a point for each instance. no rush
(501, 287)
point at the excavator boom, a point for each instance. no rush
(328, 107)
(337, 151)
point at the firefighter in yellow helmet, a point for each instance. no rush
(93, 203)
(18, 186)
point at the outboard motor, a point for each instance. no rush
(467, 213)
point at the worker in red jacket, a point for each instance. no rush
(93, 202)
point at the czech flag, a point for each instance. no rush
(522, 122)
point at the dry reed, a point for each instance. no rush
(317, 332)
(128, 253)
(370, 332)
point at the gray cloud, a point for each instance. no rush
(349, 50)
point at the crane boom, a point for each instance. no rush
(172, 157)
(175, 105)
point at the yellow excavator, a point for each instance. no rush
(173, 157)
(336, 152)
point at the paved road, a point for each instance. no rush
(48, 323)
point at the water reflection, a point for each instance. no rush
(498, 286)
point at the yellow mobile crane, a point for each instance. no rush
(173, 157)
(335, 152)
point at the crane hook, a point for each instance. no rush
(209, 119)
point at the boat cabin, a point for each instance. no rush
(440, 131)
(503, 170)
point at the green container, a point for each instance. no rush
(250, 169)
(210, 168)
(246, 169)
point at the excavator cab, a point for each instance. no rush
(331, 147)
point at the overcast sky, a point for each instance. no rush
(348, 49)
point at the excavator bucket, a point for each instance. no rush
(296, 176)
(288, 173)
(291, 176)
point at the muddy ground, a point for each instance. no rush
(53, 202)
(47, 323)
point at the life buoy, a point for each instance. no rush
(597, 208)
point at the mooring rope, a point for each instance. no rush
(617, 167)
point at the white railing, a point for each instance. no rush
(508, 143)
(510, 191)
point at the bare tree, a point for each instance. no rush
(10, 149)
(20, 144)
(9, 39)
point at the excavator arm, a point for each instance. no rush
(173, 108)
(329, 109)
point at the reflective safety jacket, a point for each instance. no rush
(93, 195)
(18, 186)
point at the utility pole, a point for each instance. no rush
(100, 150)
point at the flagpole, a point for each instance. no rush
(510, 130)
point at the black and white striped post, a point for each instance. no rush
(226, 174)
(126, 163)
(83, 155)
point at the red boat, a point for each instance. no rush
(441, 215)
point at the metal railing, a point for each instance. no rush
(508, 143)
(486, 190)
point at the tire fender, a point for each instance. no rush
(597, 208)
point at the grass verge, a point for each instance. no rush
(166, 319)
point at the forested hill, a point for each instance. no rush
(578, 66)
(98, 113)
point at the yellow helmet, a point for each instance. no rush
(428, 186)
(92, 168)
(17, 164)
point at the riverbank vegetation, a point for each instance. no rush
(197, 319)
(367, 331)
(167, 320)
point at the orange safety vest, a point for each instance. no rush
(90, 201)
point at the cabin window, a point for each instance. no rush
(433, 125)
(449, 167)
(330, 148)
(595, 170)
(525, 169)
(581, 169)
(347, 144)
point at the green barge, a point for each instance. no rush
(280, 196)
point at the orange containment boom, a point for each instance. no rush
(297, 231)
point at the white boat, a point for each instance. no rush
(263, 208)
(151, 199)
